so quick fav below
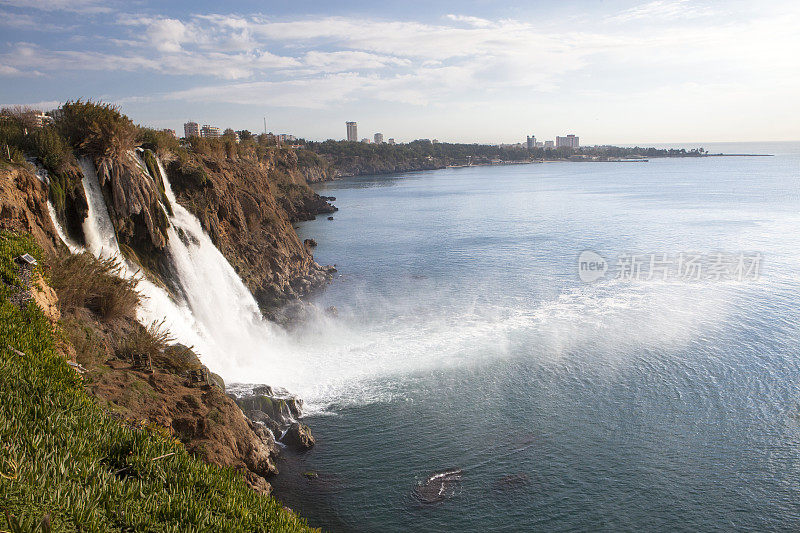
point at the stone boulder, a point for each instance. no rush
(298, 436)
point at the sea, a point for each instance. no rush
(561, 346)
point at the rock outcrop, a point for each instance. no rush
(23, 207)
(299, 437)
(134, 203)
(279, 412)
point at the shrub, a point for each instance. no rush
(52, 150)
(95, 129)
(83, 281)
(85, 338)
(13, 245)
(162, 143)
(151, 340)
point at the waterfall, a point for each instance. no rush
(44, 177)
(214, 311)
(156, 304)
(219, 300)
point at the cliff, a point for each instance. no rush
(23, 206)
(247, 207)
(246, 198)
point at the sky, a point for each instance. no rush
(611, 71)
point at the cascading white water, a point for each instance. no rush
(101, 241)
(219, 301)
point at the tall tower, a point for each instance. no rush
(352, 131)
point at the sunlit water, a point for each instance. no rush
(466, 340)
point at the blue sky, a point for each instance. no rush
(474, 71)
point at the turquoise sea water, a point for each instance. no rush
(617, 405)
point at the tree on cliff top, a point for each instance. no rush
(96, 129)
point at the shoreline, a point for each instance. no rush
(574, 159)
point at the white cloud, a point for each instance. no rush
(77, 6)
(45, 105)
(662, 10)
(167, 35)
(350, 61)
(472, 21)
(324, 61)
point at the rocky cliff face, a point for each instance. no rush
(203, 417)
(134, 203)
(248, 207)
(23, 207)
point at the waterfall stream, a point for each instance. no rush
(214, 311)
(156, 303)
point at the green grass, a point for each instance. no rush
(65, 460)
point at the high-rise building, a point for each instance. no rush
(379, 138)
(531, 142)
(352, 131)
(570, 141)
(191, 129)
(549, 144)
(210, 132)
(391, 140)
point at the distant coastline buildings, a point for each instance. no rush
(570, 141)
(378, 138)
(210, 132)
(191, 129)
(352, 131)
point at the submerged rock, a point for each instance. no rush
(439, 486)
(511, 482)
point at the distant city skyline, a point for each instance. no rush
(617, 72)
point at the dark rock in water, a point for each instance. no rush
(330, 218)
(332, 311)
(310, 243)
(310, 475)
(439, 486)
(298, 436)
(328, 198)
(281, 410)
(512, 482)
